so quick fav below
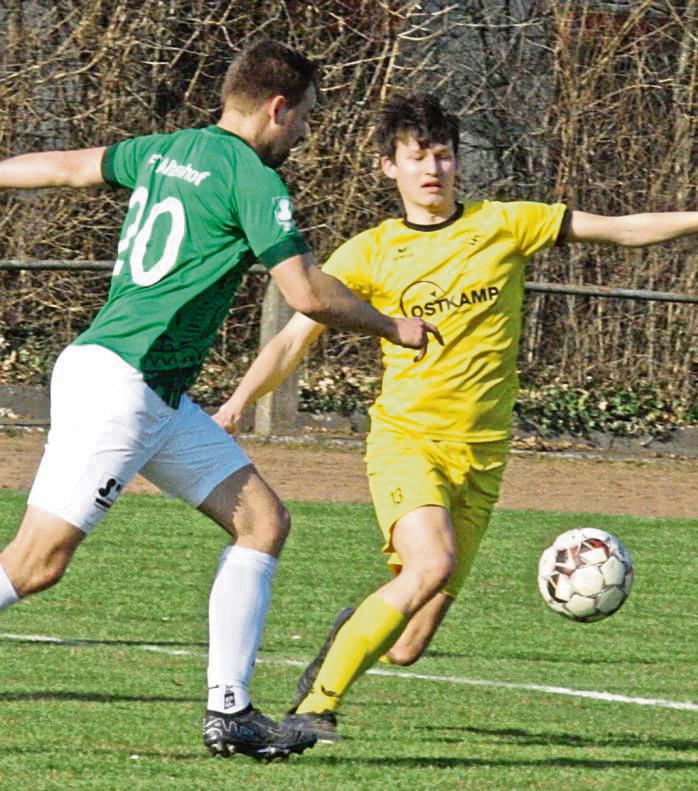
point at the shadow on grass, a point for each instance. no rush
(38, 749)
(403, 762)
(415, 762)
(317, 758)
(90, 697)
(526, 738)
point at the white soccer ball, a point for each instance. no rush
(586, 574)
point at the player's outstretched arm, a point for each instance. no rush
(632, 230)
(326, 300)
(272, 366)
(79, 168)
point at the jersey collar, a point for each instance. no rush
(218, 130)
(457, 214)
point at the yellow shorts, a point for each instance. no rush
(405, 473)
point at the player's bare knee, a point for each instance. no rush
(272, 528)
(283, 522)
(274, 519)
(37, 577)
(434, 573)
(48, 577)
(406, 654)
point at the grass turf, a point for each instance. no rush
(120, 707)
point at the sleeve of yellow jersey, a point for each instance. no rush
(535, 226)
(352, 263)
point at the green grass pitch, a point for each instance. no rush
(117, 703)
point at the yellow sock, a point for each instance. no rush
(367, 635)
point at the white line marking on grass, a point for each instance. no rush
(575, 693)
(609, 697)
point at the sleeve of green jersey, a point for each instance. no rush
(535, 226)
(120, 163)
(264, 210)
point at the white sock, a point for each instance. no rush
(237, 611)
(8, 595)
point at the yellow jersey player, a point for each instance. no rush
(438, 441)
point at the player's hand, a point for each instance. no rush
(414, 334)
(228, 418)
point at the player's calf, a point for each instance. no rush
(415, 639)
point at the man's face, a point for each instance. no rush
(425, 174)
(289, 127)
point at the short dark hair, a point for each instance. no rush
(420, 115)
(264, 69)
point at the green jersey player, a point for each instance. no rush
(205, 203)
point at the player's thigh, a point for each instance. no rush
(105, 423)
(404, 475)
(424, 539)
(196, 456)
(203, 465)
(473, 507)
(40, 551)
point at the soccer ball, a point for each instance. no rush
(586, 574)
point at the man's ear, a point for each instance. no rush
(388, 166)
(277, 107)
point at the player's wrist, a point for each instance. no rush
(391, 329)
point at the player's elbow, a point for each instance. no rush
(309, 304)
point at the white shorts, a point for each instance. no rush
(107, 425)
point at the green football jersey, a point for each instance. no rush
(203, 208)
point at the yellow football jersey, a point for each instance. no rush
(466, 276)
